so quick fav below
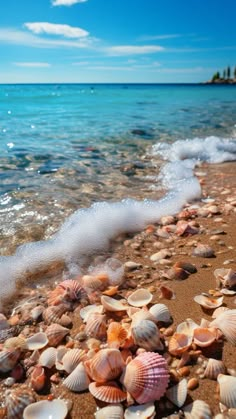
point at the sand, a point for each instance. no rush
(217, 230)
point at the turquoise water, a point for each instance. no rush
(63, 147)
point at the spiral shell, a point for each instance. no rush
(108, 392)
(146, 377)
(38, 378)
(17, 400)
(78, 380)
(106, 365)
(56, 333)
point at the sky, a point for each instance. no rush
(115, 41)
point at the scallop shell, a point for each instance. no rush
(36, 312)
(17, 400)
(227, 385)
(8, 359)
(116, 335)
(139, 315)
(142, 411)
(113, 411)
(56, 333)
(214, 367)
(108, 392)
(37, 341)
(87, 310)
(177, 394)
(106, 365)
(161, 313)
(110, 304)
(48, 357)
(146, 377)
(78, 380)
(226, 322)
(187, 327)
(219, 311)
(203, 337)
(198, 409)
(72, 358)
(53, 314)
(92, 283)
(74, 289)
(204, 251)
(15, 343)
(208, 302)
(227, 277)
(146, 335)
(139, 298)
(96, 326)
(54, 409)
(179, 343)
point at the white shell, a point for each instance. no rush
(161, 313)
(142, 411)
(72, 358)
(110, 304)
(226, 322)
(178, 393)
(113, 411)
(198, 409)
(214, 367)
(55, 409)
(78, 380)
(187, 327)
(227, 277)
(37, 341)
(139, 298)
(146, 335)
(48, 357)
(208, 302)
(227, 385)
(87, 310)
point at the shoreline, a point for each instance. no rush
(217, 230)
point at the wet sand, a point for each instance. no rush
(217, 230)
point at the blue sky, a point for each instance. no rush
(120, 41)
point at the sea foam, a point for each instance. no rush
(90, 231)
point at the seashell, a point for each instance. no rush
(116, 335)
(8, 359)
(78, 380)
(177, 394)
(167, 219)
(198, 409)
(138, 315)
(227, 291)
(60, 353)
(56, 333)
(208, 302)
(204, 251)
(146, 335)
(53, 314)
(92, 283)
(48, 358)
(111, 290)
(139, 298)
(187, 327)
(146, 377)
(179, 343)
(112, 411)
(167, 293)
(110, 304)
(54, 409)
(161, 313)
(57, 296)
(73, 288)
(227, 277)
(106, 365)
(16, 401)
(203, 337)
(108, 392)
(227, 385)
(96, 326)
(38, 378)
(185, 229)
(37, 341)
(218, 311)
(186, 266)
(226, 322)
(87, 310)
(72, 358)
(15, 343)
(142, 411)
(36, 312)
(214, 367)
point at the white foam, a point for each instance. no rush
(90, 231)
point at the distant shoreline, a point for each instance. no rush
(221, 81)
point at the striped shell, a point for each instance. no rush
(146, 377)
(116, 335)
(106, 365)
(87, 310)
(108, 392)
(226, 322)
(214, 367)
(196, 410)
(227, 385)
(53, 314)
(8, 359)
(161, 313)
(177, 394)
(74, 289)
(15, 343)
(146, 335)
(96, 326)
(48, 357)
(114, 411)
(72, 358)
(78, 380)
(17, 400)
(56, 334)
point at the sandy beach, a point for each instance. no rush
(215, 227)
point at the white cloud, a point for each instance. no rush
(56, 29)
(66, 2)
(32, 64)
(155, 37)
(133, 49)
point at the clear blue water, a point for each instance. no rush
(63, 147)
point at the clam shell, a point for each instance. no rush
(198, 409)
(214, 367)
(37, 341)
(96, 326)
(8, 359)
(146, 377)
(87, 310)
(177, 394)
(142, 411)
(204, 251)
(73, 288)
(187, 327)
(92, 283)
(110, 304)
(113, 411)
(226, 322)
(203, 337)
(161, 313)
(208, 302)
(139, 298)
(108, 392)
(179, 343)
(56, 333)
(38, 378)
(55, 409)
(53, 314)
(78, 380)
(17, 400)
(146, 335)
(15, 343)
(227, 385)
(219, 311)
(106, 365)
(139, 315)
(37, 311)
(72, 358)
(48, 357)
(116, 335)
(227, 277)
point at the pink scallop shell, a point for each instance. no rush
(108, 392)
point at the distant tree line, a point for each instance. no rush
(226, 74)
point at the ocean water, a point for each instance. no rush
(110, 158)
